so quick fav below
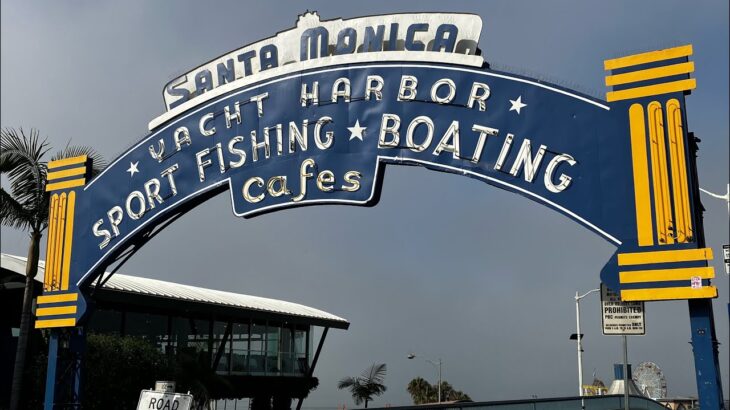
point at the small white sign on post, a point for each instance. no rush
(165, 386)
(726, 256)
(155, 400)
(620, 318)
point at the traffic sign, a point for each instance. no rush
(150, 399)
(620, 318)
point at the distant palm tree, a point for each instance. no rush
(25, 207)
(423, 392)
(367, 385)
(420, 390)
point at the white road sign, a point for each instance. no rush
(155, 400)
(726, 256)
(620, 318)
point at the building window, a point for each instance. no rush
(239, 348)
(190, 337)
(257, 352)
(105, 322)
(273, 338)
(152, 328)
(219, 332)
(301, 349)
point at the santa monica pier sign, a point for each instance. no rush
(314, 114)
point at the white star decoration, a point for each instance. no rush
(356, 131)
(517, 105)
(133, 168)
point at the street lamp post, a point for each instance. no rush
(579, 337)
(435, 364)
(726, 197)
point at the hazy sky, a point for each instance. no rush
(444, 266)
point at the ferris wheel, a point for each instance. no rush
(650, 380)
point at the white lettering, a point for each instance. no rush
(101, 232)
(407, 90)
(259, 99)
(376, 89)
(329, 135)
(185, 137)
(236, 115)
(411, 129)
(310, 96)
(246, 190)
(476, 97)
(451, 134)
(344, 92)
(550, 170)
(483, 132)
(389, 125)
(202, 164)
(140, 201)
(236, 151)
(524, 158)
(206, 132)
(435, 89)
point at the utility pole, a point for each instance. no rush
(579, 337)
(626, 374)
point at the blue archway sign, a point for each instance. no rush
(322, 129)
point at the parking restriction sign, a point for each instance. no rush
(620, 318)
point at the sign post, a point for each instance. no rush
(621, 318)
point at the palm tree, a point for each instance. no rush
(423, 392)
(448, 393)
(25, 207)
(420, 390)
(367, 385)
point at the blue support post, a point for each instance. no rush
(705, 350)
(51, 371)
(77, 345)
(63, 374)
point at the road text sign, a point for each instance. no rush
(149, 399)
(620, 318)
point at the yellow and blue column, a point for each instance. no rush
(669, 260)
(58, 306)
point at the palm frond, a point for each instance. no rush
(367, 385)
(12, 214)
(375, 373)
(346, 382)
(16, 146)
(25, 204)
(21, 159)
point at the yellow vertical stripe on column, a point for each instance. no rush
(54, 250)
(642, 198)
(68, 240)
(676, 180)
(59, 240)
(662, 206)
(52, 212)
(679, 172)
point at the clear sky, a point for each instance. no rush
(444, 266)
